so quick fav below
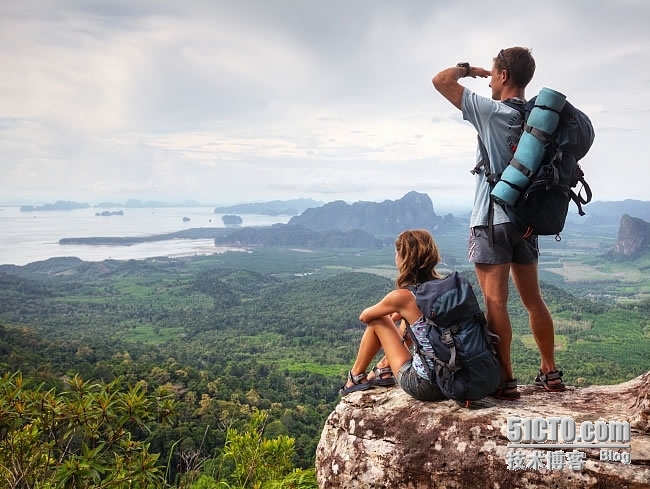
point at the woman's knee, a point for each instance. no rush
(381, 322)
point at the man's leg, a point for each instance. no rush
(493, 280)
(526, 281)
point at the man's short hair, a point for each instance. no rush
(519, 63)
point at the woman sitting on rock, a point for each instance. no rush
(416, 256)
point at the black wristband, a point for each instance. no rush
(465, 65)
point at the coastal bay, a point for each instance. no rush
(27, 237)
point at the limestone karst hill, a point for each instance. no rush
(390, 217)
(633, 237)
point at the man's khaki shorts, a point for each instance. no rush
(509, 246)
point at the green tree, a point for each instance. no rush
(89, 435)
(259, 463)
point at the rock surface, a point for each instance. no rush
(383, 438)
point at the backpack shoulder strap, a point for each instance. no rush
(516, 104)
(440, 368)
(524, 109)
(577, 197)
(485, 160)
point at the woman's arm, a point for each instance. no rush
(393, 303)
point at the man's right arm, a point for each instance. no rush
(446, 82)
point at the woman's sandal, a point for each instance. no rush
(542, 380)
(360, 382)
(380, 380)
(507, 390)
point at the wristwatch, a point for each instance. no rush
(465, 65)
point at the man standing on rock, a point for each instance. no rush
(495, 257)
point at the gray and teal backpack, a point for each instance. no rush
(465, 365)
(543, 205)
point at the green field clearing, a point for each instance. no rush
(528, 341)
(150, 334)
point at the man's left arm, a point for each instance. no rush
(446, 82)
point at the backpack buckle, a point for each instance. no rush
(447, 338)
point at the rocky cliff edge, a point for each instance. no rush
(383, 438)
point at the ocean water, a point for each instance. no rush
(26, 237)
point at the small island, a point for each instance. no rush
(231, 220)
(186, 219)
(110, 213)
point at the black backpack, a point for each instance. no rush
(461, 349)
(542, 207)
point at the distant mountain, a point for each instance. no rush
(108, 205)
(414, 210)
(150, 204)
(272, 208)
(633, 237)
(600, 212)
(131, 203)
(286, 235)
(59, 205)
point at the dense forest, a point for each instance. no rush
(238, 337)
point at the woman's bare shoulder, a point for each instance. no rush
(402, 295)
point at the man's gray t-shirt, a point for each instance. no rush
(499, 127)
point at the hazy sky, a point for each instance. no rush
(240, 101)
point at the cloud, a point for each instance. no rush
(252, 100)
